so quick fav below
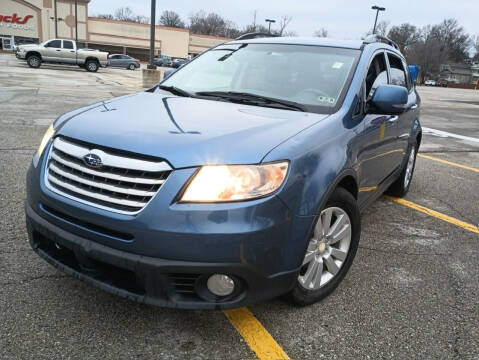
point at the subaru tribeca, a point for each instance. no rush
(239, 178)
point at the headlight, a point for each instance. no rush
(222, 183)
(46, 138)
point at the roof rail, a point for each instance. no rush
(378, 38)
(254, 35)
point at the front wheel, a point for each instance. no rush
(34, 61)
(331, 249)
(91, 66)
(401, 186)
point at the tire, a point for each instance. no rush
(334, 265)
(91, 66)
(400, 187)
(34, 61)
(132, 67)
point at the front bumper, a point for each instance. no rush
(164, 254)
(154, 281)
(20, 55)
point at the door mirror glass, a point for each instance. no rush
(388, 100)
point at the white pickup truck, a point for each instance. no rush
(63, 52)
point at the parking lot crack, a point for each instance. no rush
(32, 278)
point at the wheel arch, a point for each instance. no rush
(30, 53)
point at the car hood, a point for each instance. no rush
(185, 131)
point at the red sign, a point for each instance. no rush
(15, 19)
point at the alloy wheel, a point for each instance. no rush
(409, 167)
(327, 249)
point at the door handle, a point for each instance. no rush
(58, 50)
(393, 119)
(72, 50)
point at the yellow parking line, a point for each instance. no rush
(257, 337)
(448, 162)
(425, 210)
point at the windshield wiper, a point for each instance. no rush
(254, 99)
(176, 90)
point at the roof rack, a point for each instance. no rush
(378, 38)
(254, 35)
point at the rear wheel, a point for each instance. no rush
(330, 250)
(91, 66)
(401, 186)
(131, 67)
(34, 61)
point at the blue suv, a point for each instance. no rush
(239, 178)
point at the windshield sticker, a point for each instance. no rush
(326, 99)
(338, 65)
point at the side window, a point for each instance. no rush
(398, 75)
(114, 57)
(54, 44)
(377, 75)
(67, 44)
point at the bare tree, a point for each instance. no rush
(323, 32)
(171, 19)
(283, 23)
(404, 35)
(124, 14)
(105, 16)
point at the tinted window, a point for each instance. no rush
(398, 75)
(54, 44)
(377, 75)
(67, 44)
(125, 57)
(310, 75)
(114, 57)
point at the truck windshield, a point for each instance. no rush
(312, 76)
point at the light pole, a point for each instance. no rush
(269, 21)
(378, 9)
(76, 22)
(152, 65)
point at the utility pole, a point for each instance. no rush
(56, 22)
(378, 9)
(269, 21)
(76, 22)
(152, 65)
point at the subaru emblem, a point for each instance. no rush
(92, 160)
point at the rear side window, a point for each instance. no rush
(377, 75)
(398, 75)
(54, 44)
(67, 44)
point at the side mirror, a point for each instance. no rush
(168, 73)
(389, 99)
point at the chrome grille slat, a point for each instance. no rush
(100, 185)
(95, 195)
(84, 169)
(114, 186)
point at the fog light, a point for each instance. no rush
(220, 284)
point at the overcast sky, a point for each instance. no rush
(347, 19)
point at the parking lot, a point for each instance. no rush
(412, 291)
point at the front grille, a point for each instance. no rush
(122, 184)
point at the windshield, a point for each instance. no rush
(313, 76)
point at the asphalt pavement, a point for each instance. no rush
(412, 291)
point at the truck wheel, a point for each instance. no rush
(330, 251)
(91, 66)
(34, 61)
(131, 67)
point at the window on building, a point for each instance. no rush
(67, 44)
(398, 75)
(54, 44)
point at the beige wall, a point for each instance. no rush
(200, 43)
(172, 42)
(41, 26)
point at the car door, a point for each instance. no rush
(114, 60)
(125, 60)
(68, 53)
(400, 76)
(52, 51)
(378, 151)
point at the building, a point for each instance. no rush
(33, 21)
(460, 73)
